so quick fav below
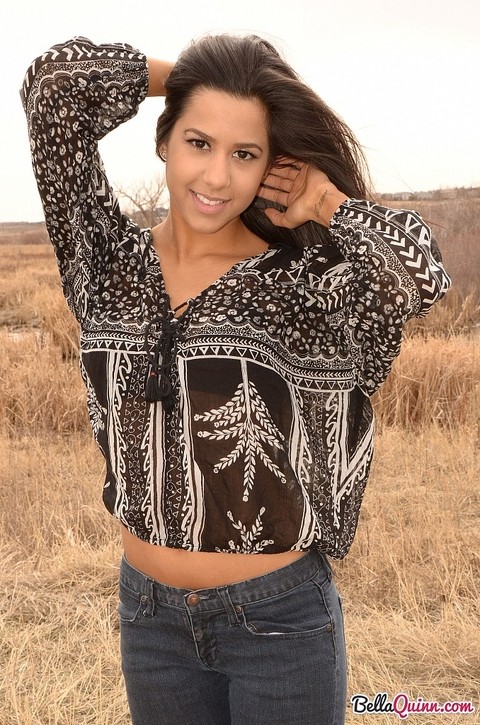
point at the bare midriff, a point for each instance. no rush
(199, 569)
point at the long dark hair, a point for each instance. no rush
(300, 125)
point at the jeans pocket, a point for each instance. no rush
(129, 604)
(300, 612)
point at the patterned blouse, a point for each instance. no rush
(263, 439)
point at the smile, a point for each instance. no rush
(207, 201)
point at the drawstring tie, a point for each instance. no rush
(158, 386)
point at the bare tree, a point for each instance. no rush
(146, 199)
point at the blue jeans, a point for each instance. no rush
(266, 651)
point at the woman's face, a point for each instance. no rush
(217, 154)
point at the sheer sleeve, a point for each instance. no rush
(393, 271)
(73, 95)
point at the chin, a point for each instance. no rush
(210, 226)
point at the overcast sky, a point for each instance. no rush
(404, 75)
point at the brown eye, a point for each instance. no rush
(244, 155)
(198, 143)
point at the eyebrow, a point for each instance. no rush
(247, 145)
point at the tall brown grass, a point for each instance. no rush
(410, 584)
(434, 380)
(39, 390)
(456, 314)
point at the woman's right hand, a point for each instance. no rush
(306, 192)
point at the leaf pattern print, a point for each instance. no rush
(245, 418)
(248, 536)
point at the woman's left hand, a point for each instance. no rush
(307, 193)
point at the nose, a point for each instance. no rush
(217, 171)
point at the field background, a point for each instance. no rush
(410, 583)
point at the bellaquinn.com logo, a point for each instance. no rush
(402, 706)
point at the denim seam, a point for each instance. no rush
(335, 652)
(267, 597)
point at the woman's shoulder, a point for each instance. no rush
(284, 264)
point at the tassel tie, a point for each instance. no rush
(158, 386)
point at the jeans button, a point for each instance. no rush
(193, 599)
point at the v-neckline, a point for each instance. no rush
(189, 303)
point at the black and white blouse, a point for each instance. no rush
(263, 441)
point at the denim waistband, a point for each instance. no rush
(252, 590)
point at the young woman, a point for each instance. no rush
(229, 355)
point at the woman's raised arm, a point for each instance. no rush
(74, 94)
(158, 71)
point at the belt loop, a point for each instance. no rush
(327, 565)
(147, 598)
(232, 610)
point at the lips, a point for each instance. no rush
(208, 200)
(208, 204)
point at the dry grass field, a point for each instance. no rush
(410, 584)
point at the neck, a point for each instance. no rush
(183, 244)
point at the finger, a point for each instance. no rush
(276, 195)
(284, 172)
(283, 162)
(277, 182)
(277, 217)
